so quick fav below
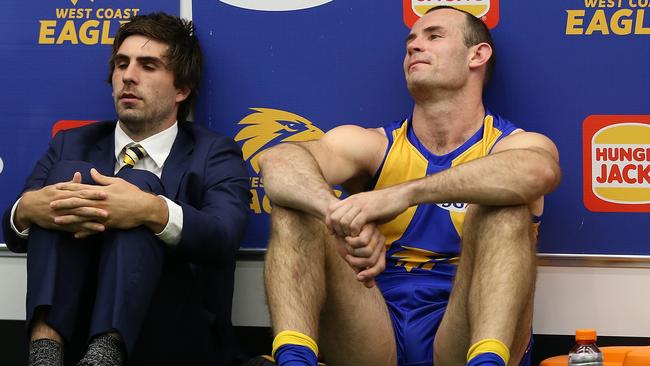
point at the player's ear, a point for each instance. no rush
(479, 55)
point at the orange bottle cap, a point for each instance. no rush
(585, 335)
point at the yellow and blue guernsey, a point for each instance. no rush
(423, 243)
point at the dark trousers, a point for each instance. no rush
(102, 283)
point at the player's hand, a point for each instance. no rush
(347, 217)
(365, 253)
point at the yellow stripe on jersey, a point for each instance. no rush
(480, 149)
(403, 163)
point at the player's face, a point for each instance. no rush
(144, 94)
(436, 55)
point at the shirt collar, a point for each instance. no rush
(157, 146)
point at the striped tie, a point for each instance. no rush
(132, 153)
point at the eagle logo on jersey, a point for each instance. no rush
(266, 127)
(410, 257)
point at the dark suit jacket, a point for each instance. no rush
(206, 175)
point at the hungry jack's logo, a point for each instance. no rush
(616, 166)
(486, 10)
(262, 129)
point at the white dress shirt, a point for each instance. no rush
(158, 148)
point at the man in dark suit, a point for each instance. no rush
(131, 227)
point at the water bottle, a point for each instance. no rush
(585, 352)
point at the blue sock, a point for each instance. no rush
(486, 359)
(295, 355)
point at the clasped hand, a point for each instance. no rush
(85, 209)
(354, 222)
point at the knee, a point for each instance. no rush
(497, 221)
(502, 215)
(135, 240)
(143, 179)
(139, 235)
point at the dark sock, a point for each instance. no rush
(260, 361)
(45, 352)
(104, 350)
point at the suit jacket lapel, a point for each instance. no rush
(176, 162)
(102, 155)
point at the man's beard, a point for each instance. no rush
(136, 122)
(143, 120)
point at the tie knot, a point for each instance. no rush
(132, 153)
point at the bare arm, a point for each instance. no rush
(300, 176)
(293, 178)
(521, 169)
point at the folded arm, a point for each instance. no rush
(521, 169)
(300, 176)
(214, 210)
(33, 206)
(214, 206)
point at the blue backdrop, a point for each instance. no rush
(287, 70)
(559, 62)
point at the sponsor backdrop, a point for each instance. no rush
(54, 66)
(575, 70)
(288, 70)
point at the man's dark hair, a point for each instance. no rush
(475, 32)
(184, 54)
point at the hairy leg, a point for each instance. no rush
(494, 285)
(293, 272)
(310, 289)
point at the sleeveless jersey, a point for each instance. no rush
(427, 237)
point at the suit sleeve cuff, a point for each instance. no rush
(171, 234)
(21, 234)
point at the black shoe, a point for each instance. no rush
(260, 361)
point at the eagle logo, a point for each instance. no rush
(266, 127)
